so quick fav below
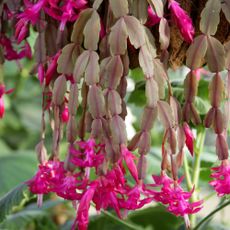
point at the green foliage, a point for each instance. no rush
(12, 199)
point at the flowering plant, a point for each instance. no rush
(83, 56)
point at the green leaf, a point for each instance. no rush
(137, 97)
(201, 105)
(16, 168)
(15, 197)
(136, 74)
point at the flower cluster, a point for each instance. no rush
(110, 189)
(174, 197)
(221, 182)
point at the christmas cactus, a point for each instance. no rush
(85, 54)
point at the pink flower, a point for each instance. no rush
(65, 114)
(82, 219)
(30, 15)
(67, 188)
(153, 19)
(88, 154)
(182, 20)
(189, 138)
(52, 68)
(10, 53)
(129, 160)
(2, 92)
(41, 73)
(221, 182)
(176, 199)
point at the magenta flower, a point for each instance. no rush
(65, 114)
(221, 182)
(87, 154)
(189, 138)
(67, 188)
(176, 199)
(82, 219)
(30, 15)
(2, 92)
(10, 53)
(153, 19)
(182, 20)
(129, 160)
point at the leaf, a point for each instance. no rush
(96, 102)
(165, 114)
(65, 61)
(92, 69)
(97, 4)
(150, 42)
(12, 199)
(196, 52)
(151, 92)
(215, 55)
(158, 6)
(80, 65)
(135, 31)
(118, 130)
(210, 17)
(146, 61)
(118, 38)
(119, 7)
(139, 9)
(225, 5)
(40, 48)
(138, 97)
(79, 25)
(59, 90)
(92, 25)
(164, 33)
(114, 102)
(227, 53)
(11, 165)
(114, 72)
(201, 105)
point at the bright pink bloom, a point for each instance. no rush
(189, 138)
(83, 208)
(65, 115)
(88, 154)
(41, 73)
(52, 68)
(67, 188)
(30, 15)
(182, 20)
(129, 160)
(153, 19)
(10, 53)
(221, 182)
(2, 92)
(172, 195)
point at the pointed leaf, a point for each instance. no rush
(93, 25)
(164, 33)
(225, 5)
(79, 25)
(92, 69)
(119, 7)
(165, 114)
(135, 31)
(139, 9)
(151, 92)
(215, 55)
(210, 17)
(118, 38)
(196, 52)
(80, 65)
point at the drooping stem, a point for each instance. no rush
(210, 215)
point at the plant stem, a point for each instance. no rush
(122, 222)
(196, 169)
(187, 174)
(210, 215)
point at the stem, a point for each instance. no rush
(187, 174)
(122, 222)
(196, 169)
(210, 215)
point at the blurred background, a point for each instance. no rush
(20, 132)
